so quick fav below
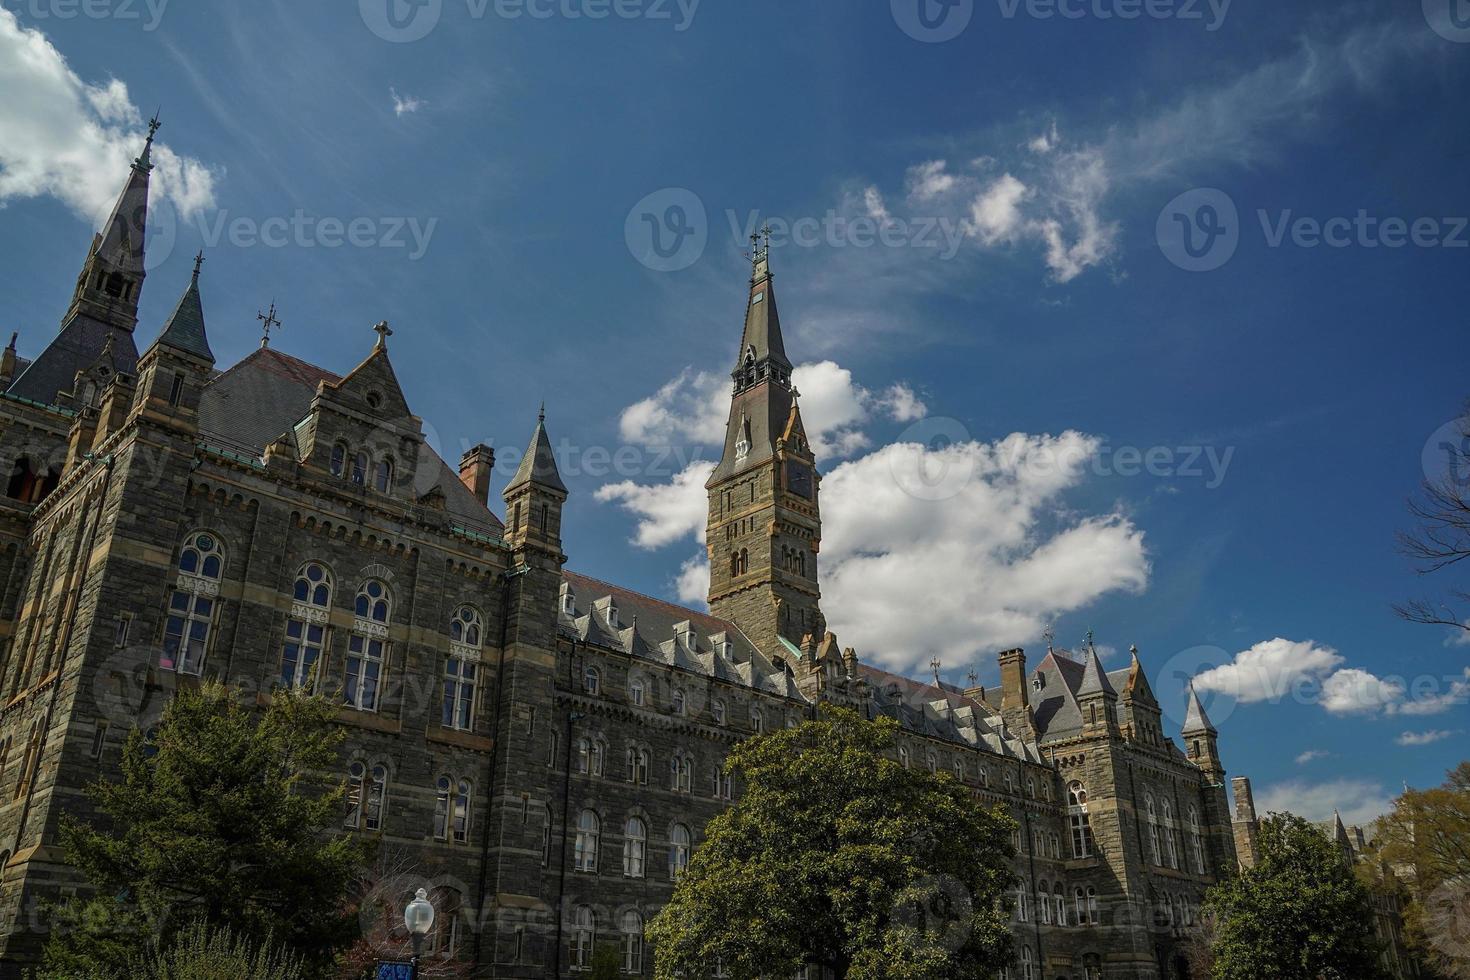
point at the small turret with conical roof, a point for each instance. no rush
(173, 371)
(1200, 737)
(1096, 696)
(535, 495)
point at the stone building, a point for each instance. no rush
(543, 748)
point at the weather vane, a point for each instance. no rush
(935, 664)
(268, 321)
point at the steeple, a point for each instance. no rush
(112, 277)
(1094, 678)
(534, 499)
(538, 466)
(1096, 696)
(185, 327)
(765, 529)
(1196, 722)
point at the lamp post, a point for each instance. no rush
(418, 919)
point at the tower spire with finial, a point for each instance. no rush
(268, 321)
(384, 332)
(145, 159)
(198, 264)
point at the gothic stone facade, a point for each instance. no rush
(540, 748)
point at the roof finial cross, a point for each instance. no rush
(972, 677)
(934, 665)
(198, 264)
(145, 160)
(541, 416)
(1049, 635)
(268, 320)
(384, 332)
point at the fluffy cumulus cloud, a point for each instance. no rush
(1359, 802)
(73, 140)
(1305, 672)
(1311, 755)
(905, 522)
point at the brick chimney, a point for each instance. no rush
(1014, 699)
(474, 471)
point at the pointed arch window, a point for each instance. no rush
(452, 810)
(367, 646)
(366, 792)
(639, 761)
(1171, 849)
(635, 848)
(1077, 816)
(384, 476)
(461, 669)
(589, 832)
(1151, 811)
(681, 773)
(590, 756)
(360, 468)
(191, 606)
(306, 630)
(1196, 842)
(338, 463)
(679, 848)
(1028, 964)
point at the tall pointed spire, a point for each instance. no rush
(184, 329)
(1196, 722)
(538, 466)
(1094, 678)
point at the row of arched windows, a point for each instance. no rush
(587, 847)
(583, 939)
(638, 696)
(368, 793)
(590, 759)
(358, 467)
(1164, 836)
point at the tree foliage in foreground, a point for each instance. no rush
(1427, 837)
(837, 855)
(1299, 914)
(219, 820)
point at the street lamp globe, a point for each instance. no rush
(418, 917)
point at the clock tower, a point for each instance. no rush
(765, 528)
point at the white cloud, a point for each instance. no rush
(1413, 739)
(995, 213)
(74, 141)
(692, 583)
(666, 512)
(873, 201)
(1270, 670)
(1046, 142)
(1354, 691)
(404, 104)
(692, 408)
(1312, 755)
(1456, 692)
(1360, 802)
(900, 403)
(929, 180)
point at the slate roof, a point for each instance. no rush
(538, 465)
(185, 327)
(652, 629)
(76, 348)
(265, 395)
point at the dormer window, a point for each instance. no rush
(568, 602)
(1038, 683)
(612, 616)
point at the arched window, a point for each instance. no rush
(637, 691)
(589, 831)
(681, 773)
(1170, 848)
(384, 474)
(360, 469)
(1059, 899)
(676, 702)
(679, 847)
(757, 723)
(903, 756)
(1079, 906)
(443, 941)
(1078, 818)
(461, 669)
(339, 459)
(366, 647)
(1028, 964)
(638, 765)
(452, 810)
(306, 630)
(1196, 843)
(1151, 809)
(592, 680)
(635, 847)
(932, 762)
(717, 711)
(590, 756)
(191, 606)
(366, 791)
(584, 935)
(1043, 903)
(632, 942)
(1023, 902)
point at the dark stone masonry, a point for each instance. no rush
(540, 749)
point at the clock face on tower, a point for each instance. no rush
(799, 478)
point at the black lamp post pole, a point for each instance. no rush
(413, 963)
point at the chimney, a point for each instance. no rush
(474, 471)
(1245, 803)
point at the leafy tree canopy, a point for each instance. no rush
(837, 855)
(1299, 914)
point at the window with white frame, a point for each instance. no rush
(1028, 964)
(1196, 842)
(452, 810)
(635, 847)
(676, 702)
(679, 848)
(1059, 900)
(638, 764)
(1043, 903)
(1077, 815)
(757, 723)
(1151, 810)
(461, 669)
(1170, 848)
(367, 789)
(589, 832)
(632, 942)
(592, 680)
(638, 691)
(681, 773)
(306, 630)
(717, 711)
(1023, 903)
(366, 647)
(191, 606)
(590, 756)
(583, 936)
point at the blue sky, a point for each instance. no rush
(1029, 328)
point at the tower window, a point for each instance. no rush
(176, 392)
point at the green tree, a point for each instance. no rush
(222, 819)
(1300, 914)
(1426, 840)
(837, 855)
(201, 954)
